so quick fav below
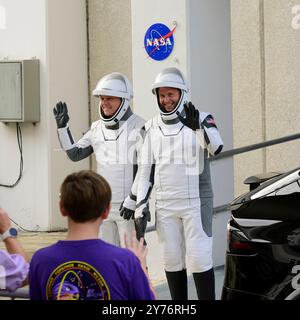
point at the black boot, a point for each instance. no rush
(205, 284)
(177, 282)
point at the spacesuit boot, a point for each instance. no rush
(177, 282)
(205, 284)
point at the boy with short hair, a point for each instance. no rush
(83, 267)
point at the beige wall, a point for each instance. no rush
(282, 51)
(266, 86)
(109, 26)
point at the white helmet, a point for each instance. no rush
(116, 85)
(173, 78)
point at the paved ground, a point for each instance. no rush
(33, 241)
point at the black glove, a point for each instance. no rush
(141, 223)
(61, 114)
(191, 119)
(126, 213)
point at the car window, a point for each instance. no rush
(290, 188)
(286, 185)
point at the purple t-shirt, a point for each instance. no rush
(13, 271)
(87, 270)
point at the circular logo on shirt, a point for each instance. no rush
(159, 41)
(76, 280)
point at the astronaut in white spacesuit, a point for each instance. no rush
(174, 161)
(115, 139)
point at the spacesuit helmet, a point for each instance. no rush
(172, 78)
(116, 85)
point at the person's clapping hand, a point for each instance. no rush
(138, 248)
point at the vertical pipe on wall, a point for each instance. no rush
(88, 66)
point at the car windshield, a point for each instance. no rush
(286, 185)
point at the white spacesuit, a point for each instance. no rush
(115, 140)
(173, 158)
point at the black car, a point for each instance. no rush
(263, 252)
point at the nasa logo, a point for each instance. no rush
(159, 41)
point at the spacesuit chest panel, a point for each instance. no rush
(178, 161)
(115, 155)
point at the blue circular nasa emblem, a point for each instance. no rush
(159, 41)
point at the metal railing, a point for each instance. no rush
(251, 147)
(23, 293)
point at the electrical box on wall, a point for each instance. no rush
(19, 91)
